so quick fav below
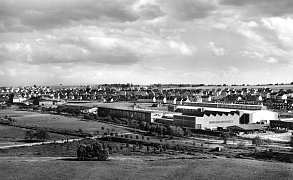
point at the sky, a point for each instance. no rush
(78, 42)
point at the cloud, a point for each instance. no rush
(93, 44)
(147, 10)
(270, 40)
(218, 51)
(262, 7)
(229, 71)
(35, 14)
(272, 60)
(140, 39)
(281, 29)
(182, 48)
(188, 10)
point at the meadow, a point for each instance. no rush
(58, 121)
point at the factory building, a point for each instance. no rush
(137, 114)
(206, 119)
(211, 115)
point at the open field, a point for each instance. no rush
(57, 121)
(141, 168)
(13, 135)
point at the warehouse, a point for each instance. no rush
(247, 115)
(206, 119)
(137, 114)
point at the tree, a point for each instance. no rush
(234, 139)
(257, 141)
(187, 132)
(42, 134)
(291, 141)
(29, 134)
(225, 136)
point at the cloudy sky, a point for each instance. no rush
(76, 42)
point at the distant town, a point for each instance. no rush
(273, 102)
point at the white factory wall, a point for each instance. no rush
(262, 116)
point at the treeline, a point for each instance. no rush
(152, 129)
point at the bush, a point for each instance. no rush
(168, 146)
(291, 141)
(140, 146)
(40, 134)
(268, 141)
(241, 145)
(225, 136)
(257, 141)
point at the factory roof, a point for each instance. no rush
(219, 109)
(133, 110)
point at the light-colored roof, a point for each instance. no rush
(222, 109)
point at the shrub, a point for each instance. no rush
(40, 134)
(225, 136)
(268, 141)
(291, 141)
(168, 146)
(140, 146)
(241, 145)
(257, 141)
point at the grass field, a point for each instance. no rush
(57, 121)
(138, 168)
(13, 135)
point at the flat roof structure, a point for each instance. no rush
(137, 114)
(225, 106)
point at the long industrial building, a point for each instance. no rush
(226, 106)
(137, 114)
